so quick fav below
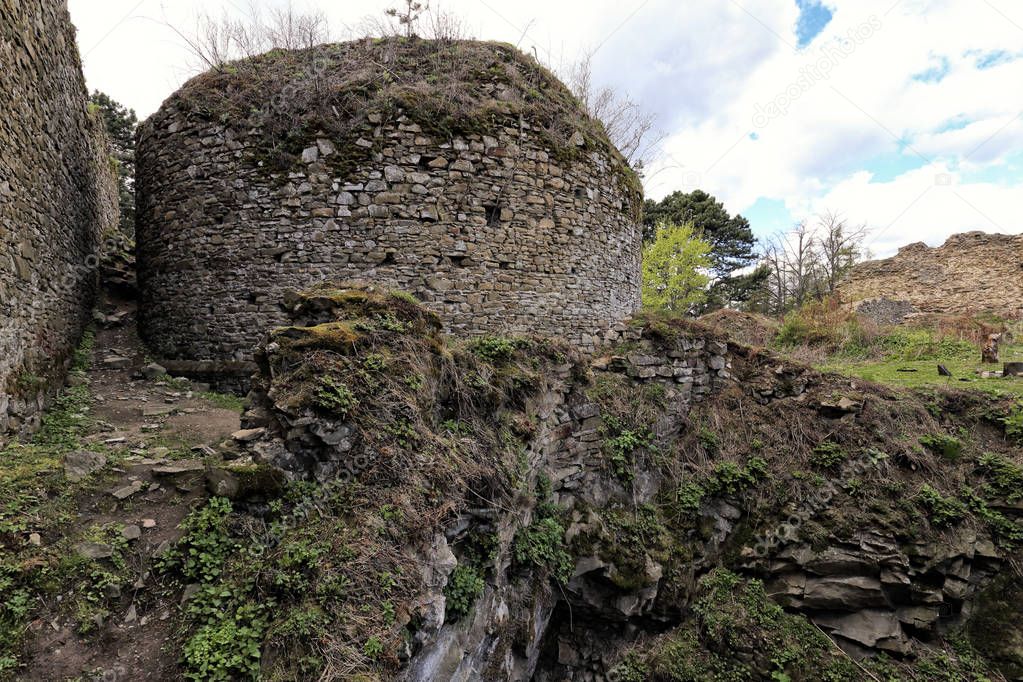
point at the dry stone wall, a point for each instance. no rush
(57, 196)
(491, 231)
(971, 272)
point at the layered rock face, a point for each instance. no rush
(58, 194)
(612, 518)
(461, 172)
(970, 273)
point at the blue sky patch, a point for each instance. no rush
(887, 167)
(936, 73)
(813, 17)
(987, 60)
(768, 217)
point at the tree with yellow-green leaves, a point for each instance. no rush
(676, 267)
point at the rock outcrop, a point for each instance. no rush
(58, 194)
(550, 517)
(971, 272)
(460, 171)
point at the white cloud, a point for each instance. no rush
(708, 68)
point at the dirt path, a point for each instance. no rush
(155, 434)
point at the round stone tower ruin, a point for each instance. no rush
(462, 172)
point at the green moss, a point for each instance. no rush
(224, 401)
(943, 445)
(733, 614)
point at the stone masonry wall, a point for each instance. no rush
(489, 231)
(971, 272)
(57, 195)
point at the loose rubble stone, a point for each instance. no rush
(94, 550)
(127, 491)
(153, 371)
(81, 463)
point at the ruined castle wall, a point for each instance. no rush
(970, 273)
(57, 195)
(489, 231)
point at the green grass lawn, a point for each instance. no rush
(964, 371)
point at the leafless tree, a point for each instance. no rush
(439, 24)
(809, 261)
(840, 246)
(217, 41)
(629, 126)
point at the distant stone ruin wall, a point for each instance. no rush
(970, 273)
(490, 232)
(57, 195)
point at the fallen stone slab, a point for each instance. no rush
(116, 362)
(158, 411)
(183, 466)
(248, 435)
(128, 490)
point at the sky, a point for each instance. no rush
(903, 115)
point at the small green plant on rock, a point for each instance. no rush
(1004, 477)
(827, 455)
(464, 586)
(542, 545)
(731, 478)
(621, 443)
(494, 348)
(1014, 424)
(944, 511)
(334, 395)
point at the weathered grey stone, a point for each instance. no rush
(94, 550)
(81, 463)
